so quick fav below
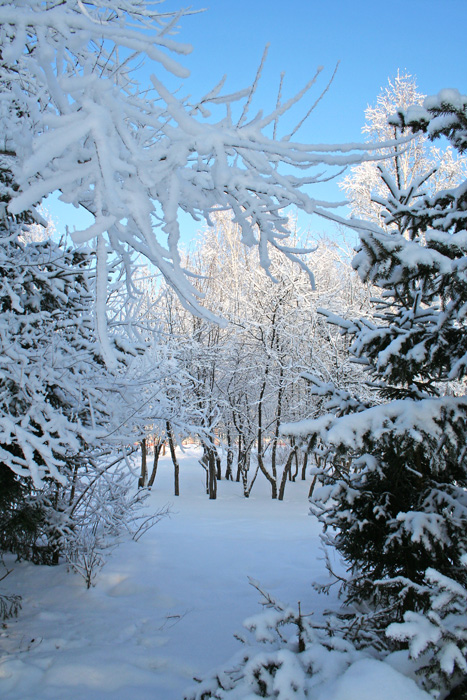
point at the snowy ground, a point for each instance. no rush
(165, 609)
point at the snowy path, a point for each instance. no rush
(165, 608)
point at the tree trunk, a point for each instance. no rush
(246, 488)
(218, 465)
(228, 468)
(212, 468)
(55, 535)
(73, 482)
(312, 486)
(239, 458)
(157, 452)
(268, 476)
(320, 463)
(286, 473)
(278, 423)
(295, 474)
(143, 479)
(170, 437)
(209, 463)
(304, 466)
(244, 468)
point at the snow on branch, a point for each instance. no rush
(405, 418)
(136, 158)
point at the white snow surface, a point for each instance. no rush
(164, 609)
(370, 679)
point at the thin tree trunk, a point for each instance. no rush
(239, 457)
(287, 470)
(274, 456)
(244, 469)
(218, 465)
(318, 461)
(209, 463)
(143, 479)
(260, 415)
(268, 476)
(278, 423)
(170, 437)
(312, 486)
(248, 488)
(55, 534)
(295, 474)
(73, 482)
(157, 452)
(230, 457)
(212, 474)
(304, 466)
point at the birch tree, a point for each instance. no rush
(364, 186)
(248, 376)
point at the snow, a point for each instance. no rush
(369, 679)
(446, 96)
(126, 150)
(400, 417)
(165, 608)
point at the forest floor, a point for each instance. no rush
(164, 609)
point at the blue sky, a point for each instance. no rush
(371, 39)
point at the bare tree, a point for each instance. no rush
(247, 376)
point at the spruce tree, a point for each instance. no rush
(49, 364)
(398, 516)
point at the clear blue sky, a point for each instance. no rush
(371, 39)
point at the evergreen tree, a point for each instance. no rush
(45, 414)
(52, 382)
(398, 516)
